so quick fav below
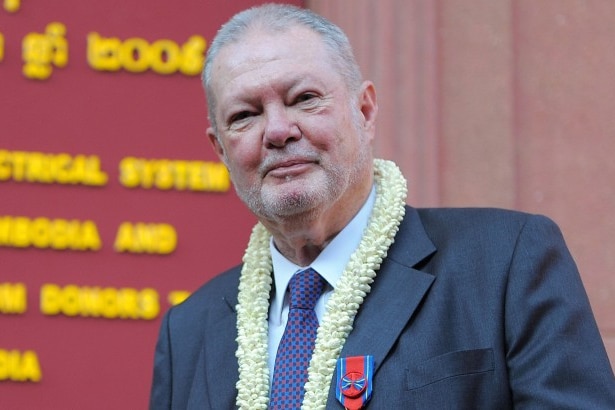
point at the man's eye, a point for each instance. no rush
(305, 97)
(240, 116)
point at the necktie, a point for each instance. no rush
(297, 344)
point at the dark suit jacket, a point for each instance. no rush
(472, 309)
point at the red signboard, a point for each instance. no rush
(113, 205)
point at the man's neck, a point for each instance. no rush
(301, 241)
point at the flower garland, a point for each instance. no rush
(351, 289)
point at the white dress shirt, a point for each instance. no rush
(330, 264)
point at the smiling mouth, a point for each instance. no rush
(288, 169)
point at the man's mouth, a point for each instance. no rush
(288, 168)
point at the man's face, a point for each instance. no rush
(293, 137)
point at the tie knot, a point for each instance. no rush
(305, 289)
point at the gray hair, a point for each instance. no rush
(279, 18)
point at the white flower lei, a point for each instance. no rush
(342, 307)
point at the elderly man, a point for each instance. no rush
(348, 298)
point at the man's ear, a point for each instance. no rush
(215, 142)
(368, 105)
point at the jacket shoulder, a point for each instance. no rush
(480, 221)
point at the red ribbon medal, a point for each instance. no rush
(354, 381)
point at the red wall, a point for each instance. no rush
(85, 361)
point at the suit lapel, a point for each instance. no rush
(395, 294)
(215, 384)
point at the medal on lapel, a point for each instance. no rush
(354, 381)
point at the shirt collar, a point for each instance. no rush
(331, 262)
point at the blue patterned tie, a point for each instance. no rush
(297, 344)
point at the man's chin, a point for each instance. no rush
(288, 203)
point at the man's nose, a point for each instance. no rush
(280, 127)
